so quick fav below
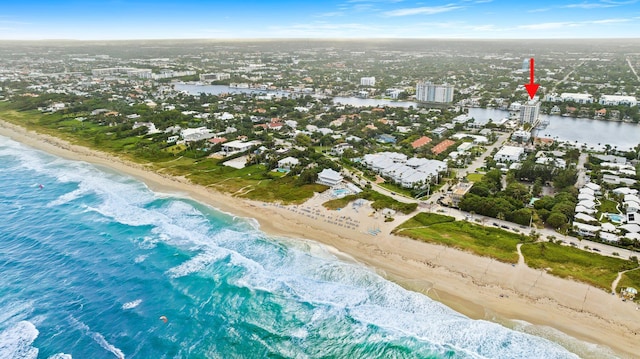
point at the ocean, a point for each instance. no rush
(93, 264)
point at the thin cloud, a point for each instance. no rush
(331, 14)
(12, 22)
(548, 25)
(598, 5)
(375, 1)
(425, 10)
(323, 29)
(609, 21)
(564, 24)
(539, 10)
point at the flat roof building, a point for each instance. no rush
(529, 112)
(509, 154)
(615, 100)
(430, 92)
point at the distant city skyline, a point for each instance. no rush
(348, 19)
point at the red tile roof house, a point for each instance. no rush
(442, 146)
(420, 142)
(215, 141)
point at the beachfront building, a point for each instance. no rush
(196, 134)
(329, 177)
(430, 92)
(237, 146)
(151, 127)
(509, 154)
(408, 173)
(288, 162)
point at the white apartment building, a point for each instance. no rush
(430, 92)
(529, 112)
(509, 154)
(368, 81)
(615, 100)
(215, 76)
(581, 98)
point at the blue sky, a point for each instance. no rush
(190, 19)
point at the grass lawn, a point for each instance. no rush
(395, 188)
(630, 279)
(608, 206)
(340, 202)
(425, 219)
(474, 177)
(253, 182)
(379, 200)
(574, 263)
(283, 189)
(483, 241)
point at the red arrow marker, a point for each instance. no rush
(531, 87)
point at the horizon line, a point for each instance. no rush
(328, 39)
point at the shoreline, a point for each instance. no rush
(478, 287)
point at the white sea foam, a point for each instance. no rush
(61, 356)
(304, 273)
(584, 350)
(15, 310)
(98, 338)
(132, 304)
(15, 341)
(141, 258)
(197, 263)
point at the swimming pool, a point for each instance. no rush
(617, 218)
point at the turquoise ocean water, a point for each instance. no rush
(91, 261)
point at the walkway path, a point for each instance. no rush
(520, 256)
(632, 69)
(565, 78)
(614, 285)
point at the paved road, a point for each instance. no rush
(632, 69)
(479, 161)
(565, 78)
(545, 233)
(582, 172)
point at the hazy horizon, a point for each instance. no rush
(336, 19)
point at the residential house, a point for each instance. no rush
(288, 162)
(238, 146)
(509, 154)
(386, 138)
(329, 177)
(420, 142)
(442, 146)
(586, 230)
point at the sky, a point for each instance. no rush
(197, 19)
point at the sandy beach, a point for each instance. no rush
(478, 287)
